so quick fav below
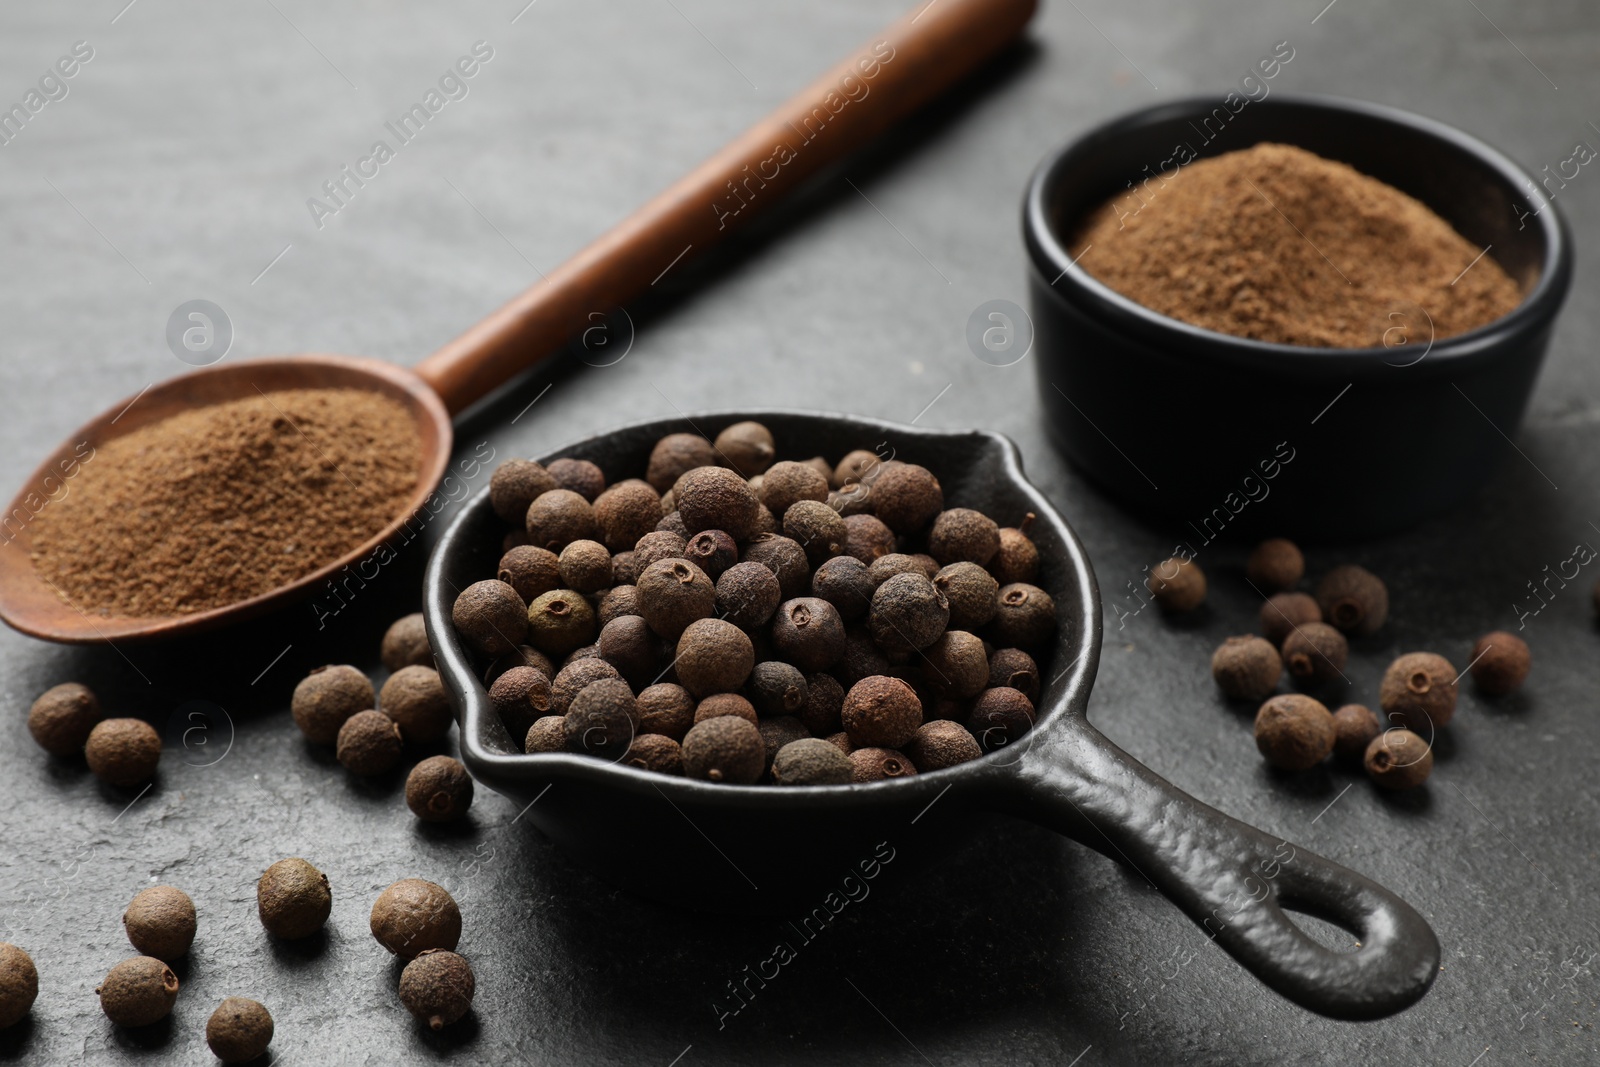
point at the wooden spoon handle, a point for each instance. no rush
(885, 79)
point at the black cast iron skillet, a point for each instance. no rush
(783, 850)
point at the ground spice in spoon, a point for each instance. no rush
(1278, 244)
(225, 502)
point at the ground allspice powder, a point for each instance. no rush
(1278, 244)
(228, 501)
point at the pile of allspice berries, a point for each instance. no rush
(1308, 635)
(416, 920)
(740, 619)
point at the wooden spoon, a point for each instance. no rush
(902, 68)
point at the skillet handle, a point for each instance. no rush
(1233, 880)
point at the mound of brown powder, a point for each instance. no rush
(1278, 244)
(225, 502)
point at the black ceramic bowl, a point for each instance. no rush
(1172, 419)
(788, 851)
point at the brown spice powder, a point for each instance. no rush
(1278, 244)
(225, 502)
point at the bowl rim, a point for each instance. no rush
(1079, 627)
(1046, 253)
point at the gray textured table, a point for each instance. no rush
(178, 166)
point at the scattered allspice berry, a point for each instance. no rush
(437, 987)
(19, 984)
(328, 696)
(414, 915)
(293, 899)
(1315, 654)
(516, 484)
(579, 475)
(370, 743)
(747, 447)
(1275, 565)
(1177, 584)
(439, 789)
(1246, 668)
(812, 761)
(879, 764)
(239, 1030)
(405, 644)
(1282, 612)
(1353, 599)
(491, 617)
(414, 697)
(138, 992)
(160, 922)
(63, 717)
(726, 748)
(123, 752)
(1398, 759)
(1500, 663)
(1418, 692)
(1294, 732)
(940, 744)
(1354, 727)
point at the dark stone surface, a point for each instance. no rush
(185, 152)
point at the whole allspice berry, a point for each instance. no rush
(629, 645)
(1500, 663)
(714, 656)
(857, 466)
(1275, 565)
(239, 1030)
(1353, 599)
(574, 678)
(515, 484)
(808, 633)
(560, 622)
(674, 593)
(437, 987)
(1418, 692)
(665, 708)
(716, 498)
(1246, 668)
(906, 497)
(1315, 654)
(777, 688)
(585, 566)
(658, 545)
(726, 748)
(1282, 612)
(674, 456)
(123, 752)
(973, 593)
(811, 761)
(747, 447)
(867, 538)
(843, 582)
(1398, 759)
(547, 734)
(1177, 584)
(489, 616)
(405, 643)
(293, 899)
(558, 518)
(626, 512)
(522, 696)
(370, 743)
(1018, 557)
(955, 666)
(817, 528)
(1294, 732)
(777, 732)
(725, 704)
(328, 696)
(963, 535)
(414, 697)
(940, 744)
(160, 922)
(879, 765)
(1024, 617)
(655, 752)
(618, 601)
(824, 706)
(1015, 669)
(908, 613)
(603, 719)
(579, 475)
(881, 712)
(713, 551)
(530, 570)
(439, 789)
(999, 717)
(19, 984)
(1354, 727)
(747, 594)
(138, 992)
(414, 915)
(787, 483)
(62, 718)
(784, 557)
